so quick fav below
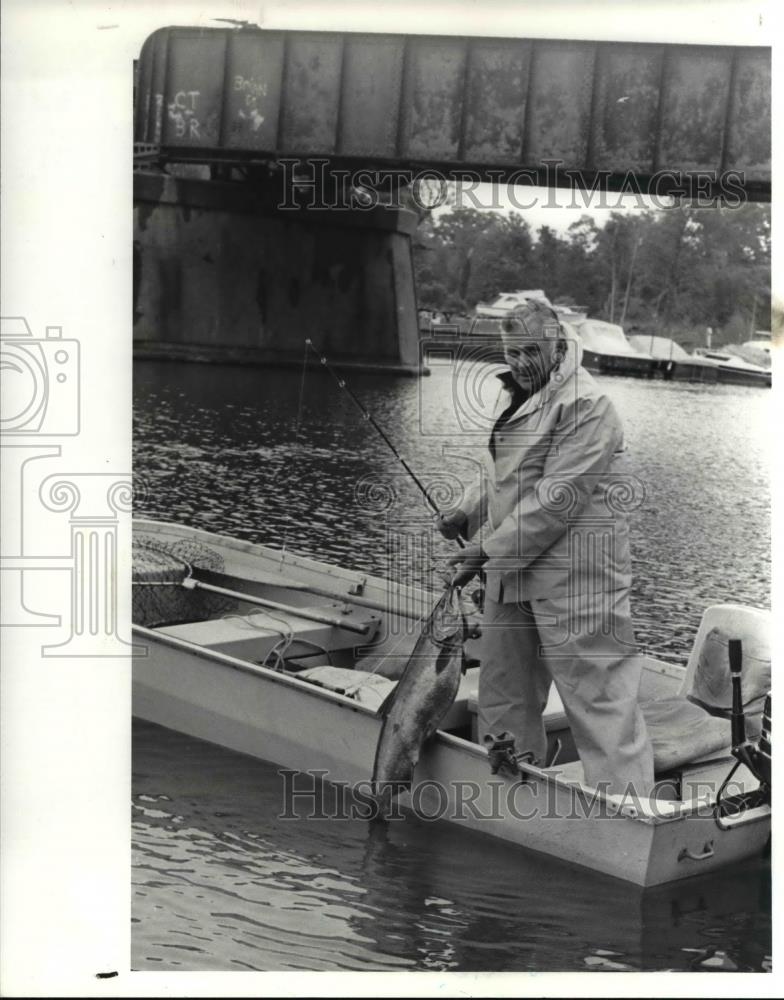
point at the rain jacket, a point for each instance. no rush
(551, 507)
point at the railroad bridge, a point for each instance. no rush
(276, 239)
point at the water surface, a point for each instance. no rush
(220, 882)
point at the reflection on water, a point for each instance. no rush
(220, 882)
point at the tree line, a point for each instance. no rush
(673, 272)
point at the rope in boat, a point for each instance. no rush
(287, 637)
(286, 633)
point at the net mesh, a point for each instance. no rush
(159, 568)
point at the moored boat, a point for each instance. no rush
(503, 304)
(735, 370)
(607, 351)
(287, 659)
(672, 361)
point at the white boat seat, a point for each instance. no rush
(681, 731)
(707, 680)
(696, 722)
(256, 635)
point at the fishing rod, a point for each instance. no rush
(369, 417)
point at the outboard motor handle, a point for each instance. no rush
(736, 669)
(743, 750)
(764, 751)
(756, 757)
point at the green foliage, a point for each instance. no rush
(672, 272)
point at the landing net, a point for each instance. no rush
(159, 569)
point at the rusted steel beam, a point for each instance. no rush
(494, 105)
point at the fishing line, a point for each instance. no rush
(369, 417)
(296, 433)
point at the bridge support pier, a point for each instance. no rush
(221, 275)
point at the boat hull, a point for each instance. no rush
(278, 718)
(685, 371)
(737, 376)
(619, 364)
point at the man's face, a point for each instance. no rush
(528, 350)
(529, 359)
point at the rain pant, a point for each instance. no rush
(551, 516)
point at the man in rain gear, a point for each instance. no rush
(550, 532)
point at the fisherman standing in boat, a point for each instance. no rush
(554, 547)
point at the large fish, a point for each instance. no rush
(424, 694)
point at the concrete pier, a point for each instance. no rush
(222, 275)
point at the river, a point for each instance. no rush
(220, 882)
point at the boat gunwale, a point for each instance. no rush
(666, 811)
(666, 667)
(420, 595)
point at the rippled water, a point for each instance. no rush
(218, 448)
(221, 883)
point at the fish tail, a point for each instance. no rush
(379, 820)
(384, 794)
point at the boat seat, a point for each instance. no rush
(254, 636)
(693, 724)
(707, 679)
(696, 722)
(681, 731)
